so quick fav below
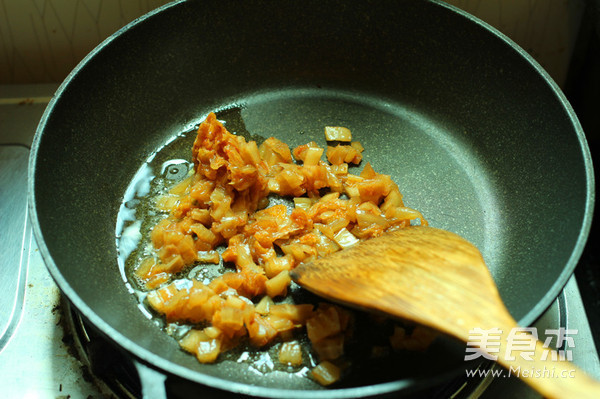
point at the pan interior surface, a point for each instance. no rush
(426, 160)
(474, 134)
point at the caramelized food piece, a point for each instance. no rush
(290, 353)
(337, 133)
(341, 154)
(326, 373)
(204, 346)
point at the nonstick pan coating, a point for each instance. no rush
(474, 132)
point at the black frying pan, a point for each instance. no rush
(475, 133)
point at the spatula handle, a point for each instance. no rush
(542, 369)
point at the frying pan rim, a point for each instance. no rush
(167, 366)
(569, 268)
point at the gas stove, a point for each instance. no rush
(48, 351)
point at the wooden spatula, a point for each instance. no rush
(438, 279)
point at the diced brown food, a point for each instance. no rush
(225, 202)
(326, 373)
(357, 146)
(290, 353)
(277, 286)
(274, 151)
(330, 348)
(298, 314)
(345, 239)
(341, 154)
(300, 151)
(325, 323)
(264, 305)
(419, 340)
(337, 133)
(205, 348)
